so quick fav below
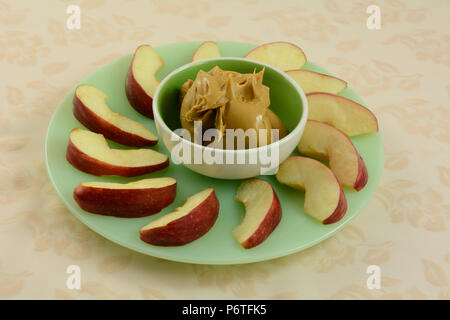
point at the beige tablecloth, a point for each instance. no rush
(401, 71)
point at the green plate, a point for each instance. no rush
(296, 230)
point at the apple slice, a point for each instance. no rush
(89, 152)
(281, 55)
(348, 116)
(324, 197)
(186, 224)
(323, 141)
(311, 81)
(262, 212)
(141, 82)
(130, 200)
(90, 108)
(208, 49)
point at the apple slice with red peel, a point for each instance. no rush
(90, 108)
(347, 115)
(324, 197)
(208, 49)
(186, 224)
(130, 200)
(262, 212)
(323, 141)
(141, 82)
(89, 152)
(281, 55)
(311, 81)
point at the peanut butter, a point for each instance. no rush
(228, 100)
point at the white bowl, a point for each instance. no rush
(264, 165)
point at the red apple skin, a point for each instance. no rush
(96, 124)
(187, 228)
(137, 96)
(363, 176)
(340, 210)
(270, 222)
(124, 203)
(96, 167)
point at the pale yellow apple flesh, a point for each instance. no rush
(262, 212)
(141, 81)
(95, 146)
(95, 100)
(347, 115)
(140, 184)
(323, 141)
(281, 55)
(324, 198)
(146, 64)
(207, 50)
(311, 81)
(89, 152)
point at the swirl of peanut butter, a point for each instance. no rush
(228, 100)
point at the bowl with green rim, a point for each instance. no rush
(287, 101)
